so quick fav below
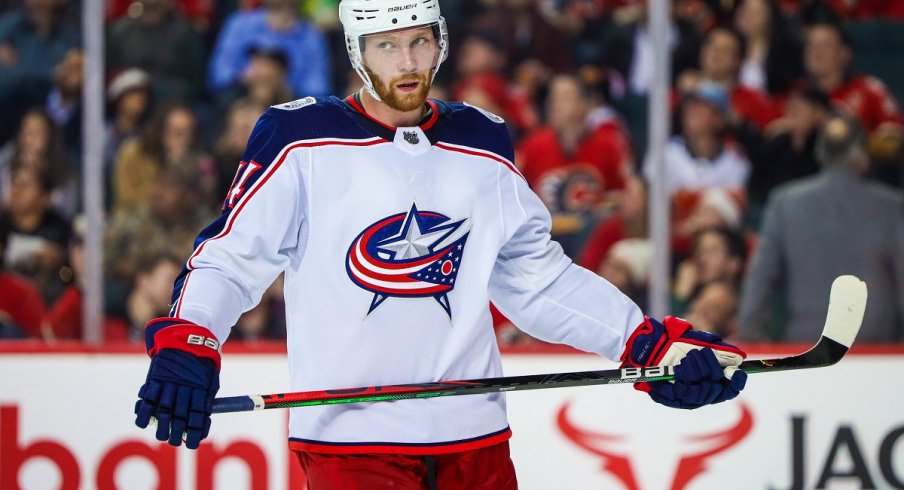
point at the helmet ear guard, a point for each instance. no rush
(362, 17)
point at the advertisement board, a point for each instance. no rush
(66, 422)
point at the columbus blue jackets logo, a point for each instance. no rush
(409, 255)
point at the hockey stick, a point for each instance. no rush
(847, 303)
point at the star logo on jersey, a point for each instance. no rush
(409, 255)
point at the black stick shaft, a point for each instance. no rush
(824, 353)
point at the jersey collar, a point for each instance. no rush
(385, 131)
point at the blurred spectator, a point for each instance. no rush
(720, 64)
(151, 291)
(200, 12)
(274, 26)
(64, 319)
(481, 79)
(160, 41)
(64, 102)
(819, 228)
(170, 140)
(229, 148)
(589, 21)
(264, 82)
(784, 151)
(772, 60)
(492, 92)
(864, 9)
(695, 211)
(481, 82)
(572, 166)
(827, 56)
(627, 267)
(39, 234)
(629, 51)
(21, 306)
(717, 254)
(166, 223)
(33, 40)
(38, 145)
(480, 52)
(629, 220)
(701, 156)
(526, 34)
(128, 102)
(712, 308)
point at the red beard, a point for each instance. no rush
(398, 100)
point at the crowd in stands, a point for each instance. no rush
(750, 168)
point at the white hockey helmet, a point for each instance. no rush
(362, 17)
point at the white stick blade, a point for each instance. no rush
(847, 303)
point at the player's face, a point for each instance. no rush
(400, 64)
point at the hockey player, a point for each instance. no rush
(397, 219)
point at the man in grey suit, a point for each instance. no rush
(821, 227)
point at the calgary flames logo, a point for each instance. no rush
(689, 465)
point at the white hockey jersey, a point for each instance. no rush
(394, 241)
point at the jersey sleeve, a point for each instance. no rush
(537, 286)
(260, 231)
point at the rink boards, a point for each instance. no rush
(65, 422)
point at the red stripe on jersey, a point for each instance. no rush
(182, 294)
(401, 448)
(379, 276)
(428, 291)
(269, 173)
(427, 125)
(433, 117)
(354, 103)
(491, 156)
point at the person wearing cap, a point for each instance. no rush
(275, 24)
(128, 102)
(720, 64)
(702, 156)
(397, 219)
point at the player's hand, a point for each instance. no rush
(182, 381)
(706, 368)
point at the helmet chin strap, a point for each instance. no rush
(369, 86)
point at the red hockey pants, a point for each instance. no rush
(488, 468)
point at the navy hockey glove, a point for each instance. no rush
(182, 381)
(706, 370)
